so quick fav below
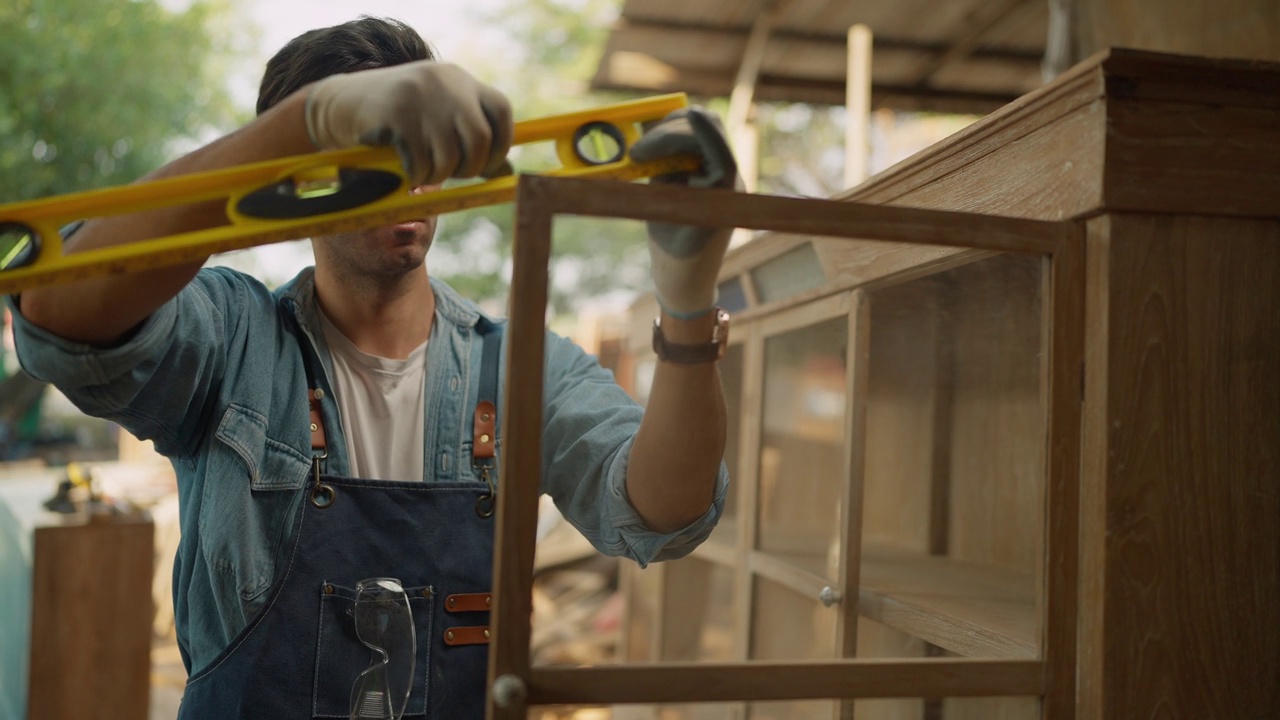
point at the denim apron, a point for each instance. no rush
(299, 657)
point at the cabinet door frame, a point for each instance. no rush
(514, 685)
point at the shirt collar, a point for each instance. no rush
(300, 295)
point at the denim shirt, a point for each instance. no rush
(216, 379)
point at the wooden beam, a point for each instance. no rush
(803, 216)
(971, 35)
(797, 680)
(857, 137)
(1062, 376)
(835, 39)
(520, 470)
(823, 91)
(742, 98)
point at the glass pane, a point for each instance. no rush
(732, 296)
(789, 626)
(802, 448)
(1007, 708)
(643, 588)
(998, 708)
(699, 611)
(786, 625)
(806, 710)
(731, 368)
(954, 481)
(700, 711)
(789, 274)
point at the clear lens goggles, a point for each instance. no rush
(384, 622)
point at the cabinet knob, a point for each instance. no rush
(829, 596)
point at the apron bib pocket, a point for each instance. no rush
(341, 657)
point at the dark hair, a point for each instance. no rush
(361, 44)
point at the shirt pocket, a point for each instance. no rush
(341, 657)
(250, 492)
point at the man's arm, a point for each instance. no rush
(443, 122)
(100, 311)
(674, 463)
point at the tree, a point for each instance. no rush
(554, 47)
(98, 93)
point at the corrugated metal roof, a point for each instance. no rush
(943, 55)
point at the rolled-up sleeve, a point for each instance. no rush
(154, 383)
(589, 427)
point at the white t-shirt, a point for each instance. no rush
(382, 404)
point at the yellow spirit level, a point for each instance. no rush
(305, 195)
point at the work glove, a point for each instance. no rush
(443, 121)
(685, 259)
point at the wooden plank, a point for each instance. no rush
(970, 609)
(747, 485)
(802, 316)
(521, 467)
(91, 620)
(848, 583)
(1057, 601)
(942, 338)
(871, 263)
(1092, 591)
(1218, 28)
(1192, 467)
(790, 571)
(796, 680)
(795, 215)
(864, 264)
(1216, 81)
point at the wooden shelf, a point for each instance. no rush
(970, 609)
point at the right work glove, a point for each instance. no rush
(685, 259)
(443, 121)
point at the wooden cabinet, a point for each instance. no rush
(1005, 426)
(912, 477)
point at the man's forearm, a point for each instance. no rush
(102, 310)
(675, 460)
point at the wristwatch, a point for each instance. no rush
(693, 354)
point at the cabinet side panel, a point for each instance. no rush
(1192, 564)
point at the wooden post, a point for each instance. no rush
(858, 106)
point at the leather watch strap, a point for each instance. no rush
(693, 354)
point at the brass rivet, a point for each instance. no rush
(449, 635)
(484, 417)
(484, 438)
(426, 592)
(486, 633)
(328, 589)
(314, 427)
(488, 600)
(319, 394)
(453, 602)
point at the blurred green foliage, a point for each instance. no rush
(554, 46)
(96, 93)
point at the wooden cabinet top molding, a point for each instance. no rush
(1125, 131)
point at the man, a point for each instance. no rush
(335, 438)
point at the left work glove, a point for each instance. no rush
(685, 259)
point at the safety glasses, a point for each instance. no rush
(384, 622)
